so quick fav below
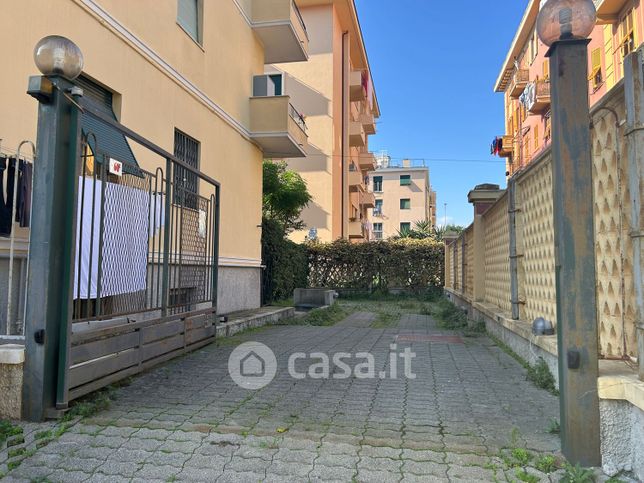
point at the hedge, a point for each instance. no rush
(285, 261)
(405, 263)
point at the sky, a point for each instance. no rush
(434, 65)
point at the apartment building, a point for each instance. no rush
(403, 196)
(524, 76)
(336, 96)
(181, 74)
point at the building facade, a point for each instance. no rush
(188, 68)
(335, 93)
(524, 76)
(403, 196)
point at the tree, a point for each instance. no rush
(423, 230)
(285, 195)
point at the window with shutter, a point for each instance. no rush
(405, 204)
(186, 183)
(546, 69)
(189, 17)
(596, 68)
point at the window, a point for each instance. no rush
(534, 47)
(405, 227)
(405, 180)
(546, 69)
(377, 210)
(377, 231)
(186, 183)
(547, 134)
(405, 204)
(377, 184)
(537, 141)
(627, 34)
(189, 13)
(268, 85)
(596, 68)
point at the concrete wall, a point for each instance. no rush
(239, 289)
(622, 442)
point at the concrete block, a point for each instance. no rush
(314, 297)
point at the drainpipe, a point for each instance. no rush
(633, 87)
(345, 113)
(514, 262)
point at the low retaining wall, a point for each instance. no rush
(621, 394)
(12, 358)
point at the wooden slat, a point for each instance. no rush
(99, 348)
(199, 334)
(161, 347)
(102, 382)
(87, 372)
(161, 331)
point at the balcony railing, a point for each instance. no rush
(541, 99)
(519, 82)
(297, 117)
(301, 19)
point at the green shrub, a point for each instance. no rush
(286, 263)
(414, 265)
(541, 376)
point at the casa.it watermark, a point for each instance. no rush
(253, 365)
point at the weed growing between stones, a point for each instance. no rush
(7, 429)
(577, 474)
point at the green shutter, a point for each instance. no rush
(405, 180)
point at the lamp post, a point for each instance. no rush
(565, 25)
(52, 237)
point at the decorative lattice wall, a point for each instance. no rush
(469, 261)
(458, 260)
(449, 266)
(497, 255)
(536, 243)
(613, 246)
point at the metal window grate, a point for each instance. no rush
(185, 182)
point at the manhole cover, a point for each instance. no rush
(444, 339)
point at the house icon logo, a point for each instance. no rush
(252, 365)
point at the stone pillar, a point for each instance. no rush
(482, 197)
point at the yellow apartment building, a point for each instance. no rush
(176, 69)
(403, 196)
(524, 76)
(335, 94)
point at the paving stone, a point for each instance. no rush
(379, 464)
(289, 470)
(472, 473)
(63, 476)
(369, 476)
(126, 469)
(240, 477)
(424, 468)
(158, 472)
(337, 460)
(199, 474)
(295, 456)
(331, 473)
(380, 452)
(423, 455)
(247, 464)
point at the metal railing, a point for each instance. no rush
(13, 279)
(300, 18)
(146, 242)
(297, 117)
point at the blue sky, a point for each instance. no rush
(434, 69)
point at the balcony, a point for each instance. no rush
(357, 136)
(357, 230)
(519, 82)
(277, 127)
(356, 181)
(541, 100)
(357, 86)
(368, 200)
(367, 161)
(508, 147)
(368, 122)
(608, 10)
(280, 27)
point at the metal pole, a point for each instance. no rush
(51, 248)
(215, 251)
(577, 332)
(165, 274)
(514, 261)
(634, 89)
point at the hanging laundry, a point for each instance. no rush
(7, 165)
(528, 97)
(125, 239)
(25, 185)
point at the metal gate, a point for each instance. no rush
(145, 264)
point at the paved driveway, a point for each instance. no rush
(189, 421)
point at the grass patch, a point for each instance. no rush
(523, 475)
(91, 404)
(325, 317)
(541, 377)
(577, 474)
(8, 429)
(521, 456)
(547, 464)
(283, 303)
(554, 427)
(539, 374)
(448, 315)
